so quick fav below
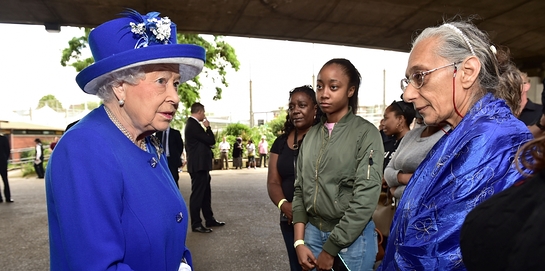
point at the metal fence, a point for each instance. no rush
(25, 160)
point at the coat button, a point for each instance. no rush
(179, 217)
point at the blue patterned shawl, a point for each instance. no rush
(464, 168)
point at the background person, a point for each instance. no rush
(52, 144)
(333, 204)
(530, 112)
(453, 77)
(5, 152)
(250, 148)
(112, 203)
(397, 120)
(173, 147)
(199, 143)
(237, 153)
(302, 111)
(263, 148)
(224, 153)
(39, 158)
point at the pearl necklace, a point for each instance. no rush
(141, 145)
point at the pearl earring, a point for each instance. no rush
(121, 102)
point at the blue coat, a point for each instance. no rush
(108, 207)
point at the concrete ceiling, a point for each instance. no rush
(386, 24)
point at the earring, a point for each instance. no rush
(121, 102)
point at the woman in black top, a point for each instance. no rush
(303, 112)
(237, 153)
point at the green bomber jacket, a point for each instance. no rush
(338, 179)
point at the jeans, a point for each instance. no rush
(359, 256)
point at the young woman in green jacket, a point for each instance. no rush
(339, 173)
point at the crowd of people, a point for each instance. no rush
(459, 159)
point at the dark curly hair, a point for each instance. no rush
(288, 125)
(401, 108)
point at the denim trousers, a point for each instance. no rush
(359, 256)
(287, 233)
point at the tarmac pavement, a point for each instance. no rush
(250, 240)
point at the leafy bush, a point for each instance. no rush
(277, 124)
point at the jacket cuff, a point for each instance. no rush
(300, 217)
(331, 248)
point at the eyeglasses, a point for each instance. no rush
(417, 78)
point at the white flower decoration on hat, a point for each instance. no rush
(152, 30)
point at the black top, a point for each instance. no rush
(175, 146)
(390, 146)
(506, 231)
(5, 150)
(531, 113)
(285, 166)
(237, 150)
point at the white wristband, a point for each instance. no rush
(298, 242)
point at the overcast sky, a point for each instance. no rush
(30, 69)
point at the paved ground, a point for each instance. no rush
(251, 240)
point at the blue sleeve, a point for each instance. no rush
(84, 195)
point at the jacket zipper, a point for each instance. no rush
(324, 142)
(370, 163)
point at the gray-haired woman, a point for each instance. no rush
(455, 76)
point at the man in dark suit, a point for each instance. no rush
(5, 151)
(173, 147)
(199, 163)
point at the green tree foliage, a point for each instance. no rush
(277, 124)
(220, 57)
(50, 101)
(237, 129)
(72, 56)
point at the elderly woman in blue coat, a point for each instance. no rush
(112, 202)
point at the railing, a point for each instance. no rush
(25, 160)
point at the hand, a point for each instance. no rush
(306, 258)
(324, 261)
(286, 209)
(393, 190)
(206, 123)
(403, 178)
(384, 184)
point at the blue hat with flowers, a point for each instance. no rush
(136, 40)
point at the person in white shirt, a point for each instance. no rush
(250, 147)
(39, 159)
(224, 153)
